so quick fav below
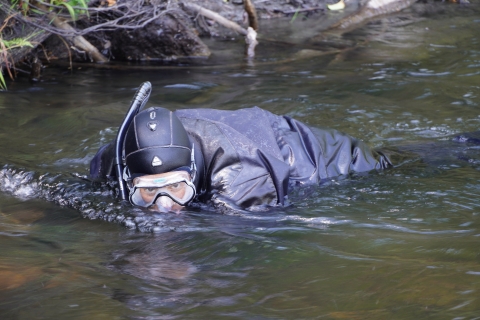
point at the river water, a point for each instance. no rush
(397, 244)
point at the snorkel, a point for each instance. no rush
(138, 102)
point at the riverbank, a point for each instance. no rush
(163, 31)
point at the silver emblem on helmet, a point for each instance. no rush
(152, 126)
(153, 114)
(156, 162)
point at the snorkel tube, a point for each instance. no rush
(138, 102)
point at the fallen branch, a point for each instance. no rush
(251, 40)
(373, 9)
(78, 41)
(250, 34)
(216, 17)
(252, 14)
(82, 43)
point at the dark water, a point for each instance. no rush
(399, 244)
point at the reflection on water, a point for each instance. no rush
(396, 244)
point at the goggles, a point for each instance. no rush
(177, 185)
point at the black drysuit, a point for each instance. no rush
(250, 157)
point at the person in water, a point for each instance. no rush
(242, 159)
(245, 159)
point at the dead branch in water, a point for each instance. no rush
(250, 34)
(251, 41)
(216, 17)
(373, 9)
(252, 14)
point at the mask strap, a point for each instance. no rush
(126, 174)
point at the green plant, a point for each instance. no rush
(16, 43)
(3, 57)
(3, 85)
(294, 16)
(5, 47)
(21, 5)
(75, 8)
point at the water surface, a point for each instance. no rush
(397, 244)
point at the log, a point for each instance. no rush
(216, 17)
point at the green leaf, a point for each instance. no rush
(37, 11)
(25, 4)
(70, 10)
(17, 42)
(3, 85)
(294, 16)
(83, 4)
(14, 3)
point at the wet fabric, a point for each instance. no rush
(250, 157)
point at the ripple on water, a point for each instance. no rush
(339, 204)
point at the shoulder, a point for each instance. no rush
(219, 115)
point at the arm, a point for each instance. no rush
(101, 166)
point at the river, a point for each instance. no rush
(396, 244)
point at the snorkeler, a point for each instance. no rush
(246, 158)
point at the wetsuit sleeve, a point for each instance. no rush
(315, 154)
(239, 172)
(101, 166)
(341, 154)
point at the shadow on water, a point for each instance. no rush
(401, 243)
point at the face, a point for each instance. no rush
(164, 203)
(158, 191)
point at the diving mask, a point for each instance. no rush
(177, 185)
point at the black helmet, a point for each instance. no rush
(156, 142)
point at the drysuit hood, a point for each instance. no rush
(156, 142)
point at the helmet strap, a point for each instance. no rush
(193, 166)
(126, 176)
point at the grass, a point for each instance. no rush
(75, 8)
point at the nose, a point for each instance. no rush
(164, 204)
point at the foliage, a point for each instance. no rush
(294, 16)
(75, 8)
(3, 58)
(72, 9)
(3, 85)
(5, 47)
(15, 43)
